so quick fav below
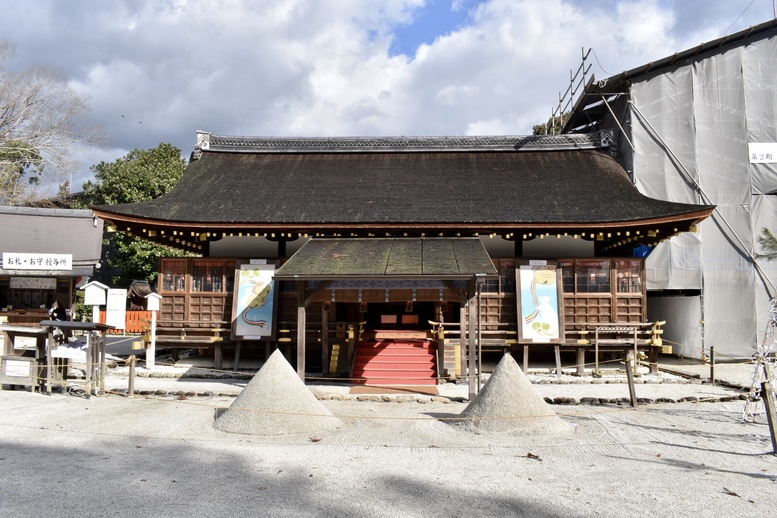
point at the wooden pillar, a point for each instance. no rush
(462, 338)
(525, 359)
(325, 355)
(281, 248)
(767, 393)
(630, 377)
(472, 341)
(580, 361)
(518, 247)
(301, 321)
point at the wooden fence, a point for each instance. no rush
(134, 322)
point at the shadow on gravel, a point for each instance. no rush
(132, 478)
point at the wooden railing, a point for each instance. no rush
(134, 322)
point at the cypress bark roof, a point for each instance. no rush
(449, 258)
(323, 181)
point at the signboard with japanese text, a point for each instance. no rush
(25, 261)
(762, 152)
(33, 283)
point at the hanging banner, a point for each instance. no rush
(254, 304)
(540, 312)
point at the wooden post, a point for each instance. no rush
(462, 367)
(767, 393)
(712, 364)
(151, 351)
(236, 364)
(630, 377)
(525, 359)
(301, 322)
(325, 354)
(132, 361)
(471, 342)
(49, 348)
(580, 361)
(557, 351)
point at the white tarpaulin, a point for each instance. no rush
(698, 121)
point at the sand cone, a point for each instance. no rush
(509, 403)
(276, 402)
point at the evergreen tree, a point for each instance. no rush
(139, 176)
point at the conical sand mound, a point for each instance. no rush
(276, 402)
(508, 403)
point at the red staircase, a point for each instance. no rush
(395, 362)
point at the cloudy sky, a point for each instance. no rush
(158, 70)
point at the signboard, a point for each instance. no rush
(540, 318)
(17, 368)
(762, 152)
(94, 293)
(24, 261)
(33, 283)
(25, 342)
(116, 308)
(254, 304)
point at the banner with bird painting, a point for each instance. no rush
(540, 316)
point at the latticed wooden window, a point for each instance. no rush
(505, 283)
(592, 276)
(212, 275)
(568, 275)
(173, 275)
(629, 276)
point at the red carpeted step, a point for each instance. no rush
(395, 362)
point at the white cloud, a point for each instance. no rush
(156, 71)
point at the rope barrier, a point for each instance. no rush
(408, 418)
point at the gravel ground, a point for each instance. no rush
(160, 455)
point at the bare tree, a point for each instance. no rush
(39, 124)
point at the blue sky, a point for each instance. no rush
(157, 71)
(433, 19)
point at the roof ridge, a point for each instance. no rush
(242, 144)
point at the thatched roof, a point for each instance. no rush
(389, 184)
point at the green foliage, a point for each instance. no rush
(552, 126)
(768, 243)
(139, 176)
(83, 312)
